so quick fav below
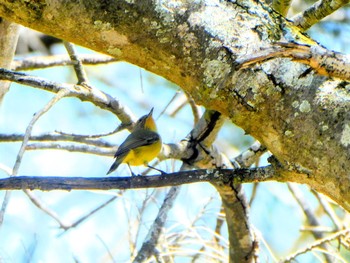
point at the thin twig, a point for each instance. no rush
(62, 93)
(41, 62)
(25, 141)
(316, 244)
(39, 204)
(169, 102)
(329, 210)
(77, 64)
(95, 96)
(83, 218)
(64, 137)
(22, 149)
(194, 107)
(310, 215)
(107, 249)
(4, 206)
(148, 247)
(73, 148)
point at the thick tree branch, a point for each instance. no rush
(216, 176)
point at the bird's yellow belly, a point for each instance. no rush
(143, 155)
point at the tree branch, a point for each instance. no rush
(97, 97)
(9, 33)
(40, 62)
(317, 12)
(77, 64)
(324, 62)
(281, 6)
(216, 176)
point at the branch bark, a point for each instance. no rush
(51, 183)
(8, 41)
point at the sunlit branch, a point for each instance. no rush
(329, 210)
(281, 6)
(324, 62)
(316, 12)
(215, 176)
(317, 243)
(311, 218)
(72, 148)
(97, 97)
(57, 137)
(77, 64)
(41, 62)
(251, 155)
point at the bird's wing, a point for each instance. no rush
(137, 139)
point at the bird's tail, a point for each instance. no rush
(115, 165)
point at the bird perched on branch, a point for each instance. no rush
(141, 146)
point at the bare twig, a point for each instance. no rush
(59, 95)
(316, 12)
(312, 219)
(148, 247)
(77, 64)
(95, 96)
(168, 104)
(41, 62)
(316, 244)
(73, 148)
(22, 149)
(83, 218)
(107, 249)
(25, 141)
(64, 137)
(329, 210)
(195, 109)
(39, 204)
(4, 206)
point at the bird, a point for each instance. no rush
(141, 146)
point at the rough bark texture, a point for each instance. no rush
(8, 41)
(301, 117)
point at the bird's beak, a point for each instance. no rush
(150, 113)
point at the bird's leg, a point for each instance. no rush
(151, 167)
(132, 173)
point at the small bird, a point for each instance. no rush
(141, 146)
